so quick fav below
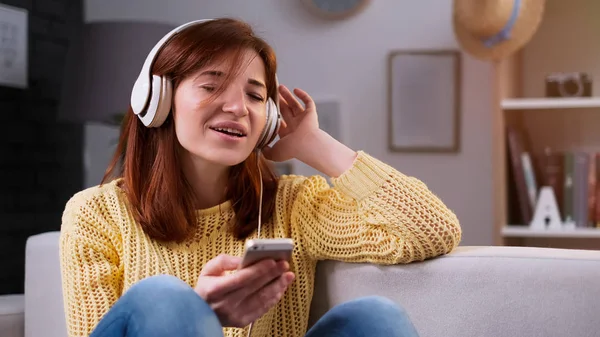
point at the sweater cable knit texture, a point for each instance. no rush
(372, 213)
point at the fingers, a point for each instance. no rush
(264, 299)
(295, 107)
(285, 109)
(242, 297)
(283, 125)
(249, 282)
(309, 103)
(220, 264)
(262, 273)
(210, 285)
(260, 302)
(234, 287)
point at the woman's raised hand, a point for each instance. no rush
(299, 122)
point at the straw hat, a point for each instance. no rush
(494, 29)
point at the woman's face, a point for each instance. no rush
(225, 130)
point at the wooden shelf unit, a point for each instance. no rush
(515, 111)
(553, 123)
(549, 103)
(512, 231)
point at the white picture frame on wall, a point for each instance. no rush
(13, 47)
(424, 101)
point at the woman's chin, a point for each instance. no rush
(220, 155)
(230, 157)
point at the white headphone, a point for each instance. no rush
(151, 95)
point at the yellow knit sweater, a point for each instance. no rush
(373, 213)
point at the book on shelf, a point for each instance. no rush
(574, 177)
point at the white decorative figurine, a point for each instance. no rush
(547, 214)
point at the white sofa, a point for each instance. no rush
(474, 291)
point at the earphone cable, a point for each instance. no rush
(261, 194)
(259, 211)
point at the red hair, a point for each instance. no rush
(147, 159)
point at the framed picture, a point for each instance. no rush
(424, 101)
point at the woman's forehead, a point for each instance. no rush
(248, 64)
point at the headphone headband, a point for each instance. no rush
(141, 87)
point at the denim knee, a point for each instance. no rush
(371, 316)
(374, 307)
(157, 289)
(376, 316)
(166, 303)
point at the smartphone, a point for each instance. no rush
(260, 249)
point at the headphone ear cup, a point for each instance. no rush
(148, 116)
(159, 104)
(164, 103)
(139, 96)
(276, 124)
(273, 122)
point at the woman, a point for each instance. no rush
(155, 251)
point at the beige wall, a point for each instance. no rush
(347, 61)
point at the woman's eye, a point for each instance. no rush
(208, 88)
(256, 97)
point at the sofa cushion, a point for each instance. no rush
(479, 291)
(44, 312)
(12, 315)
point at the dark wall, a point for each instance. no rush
(41, 159)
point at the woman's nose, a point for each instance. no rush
(234, 102)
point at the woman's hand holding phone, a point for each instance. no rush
(241, 297)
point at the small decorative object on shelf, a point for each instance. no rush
(547, 214)
(569, 85)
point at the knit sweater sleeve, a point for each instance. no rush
(91, 276)
(373, 213)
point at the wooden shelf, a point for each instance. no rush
(550, 103)
(526, 232)
(563, 124)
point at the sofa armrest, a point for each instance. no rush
(479, 291)
(44, 310)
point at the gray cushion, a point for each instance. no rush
(12, 315)
(480, 291)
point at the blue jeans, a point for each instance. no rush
(166, 306)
